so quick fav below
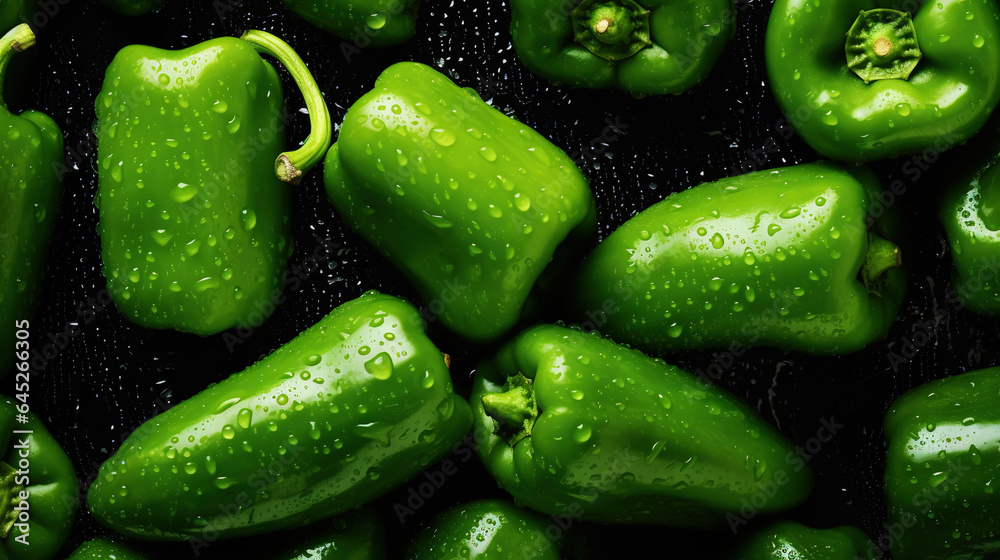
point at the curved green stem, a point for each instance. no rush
(9, 493)
(882, 256)
(514, 408)
(14, 41)
(291, 165)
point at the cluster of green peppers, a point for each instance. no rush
(481, 213)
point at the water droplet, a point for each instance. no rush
(380, 367)
(313, 360)
(249, 218)
(244, 418)
(582, 433)
(717, 240)
(937, 478)
(375, 20)
(903, 109)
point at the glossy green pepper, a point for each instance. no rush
(787, 540)
(358, 535)
(378, 23)
(942, 468)
(32, 147)
(133, 7)
(193, 222)
(862, 87)
(791, 257)
(972, 224)
(103, 549)
(641, 46)
(346, 411)
(470, 204)
(486, 530)
(577, 425)
(38, 487)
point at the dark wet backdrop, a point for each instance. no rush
(113, 375)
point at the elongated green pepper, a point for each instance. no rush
(583, 427)
(193, 222)
(133, 7)
(885, 82)
(31, 183)
(38, 487)
(346, 411)
(103, 549)
(787, 540)
(792, 258)
(485, 530)
(377, 23)
(942, 468)
(972, 224)
(470, 204)
(642, 46)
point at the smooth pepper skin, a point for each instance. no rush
(942, 467)
(358, 535)
(50, 484)
(103, 549)
(346, 411)
(485, 530)
(31, 153)
(470, 204)
(972, 224)
(946, 98)
(788, 540)
(133, 7)
(193, 219)
(378, 23)
(672, 47)
(600, 432)
(771, 258)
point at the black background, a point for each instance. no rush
(113, 375)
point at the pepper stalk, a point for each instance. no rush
(289, 166)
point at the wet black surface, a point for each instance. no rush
(105, 376)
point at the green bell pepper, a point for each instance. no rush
(38, 487)
(486, 530)
(358, 535)
(103, 549)
(193, 222)
(32, 150)
(942, 468)
(641, 46)
(133, 7)
(973, 227)
(577, 425)
(877, 91)
(377, 23)
(791, 257)
(470, 204)
(346, 411)
(787, 540)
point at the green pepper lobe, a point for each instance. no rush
(882, 45)
(611, 29)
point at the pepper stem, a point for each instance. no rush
(611, 29)
(882, 44)
(882, 256)
(14, 41)
(9, 492)
(514, 408)
(291, 165)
